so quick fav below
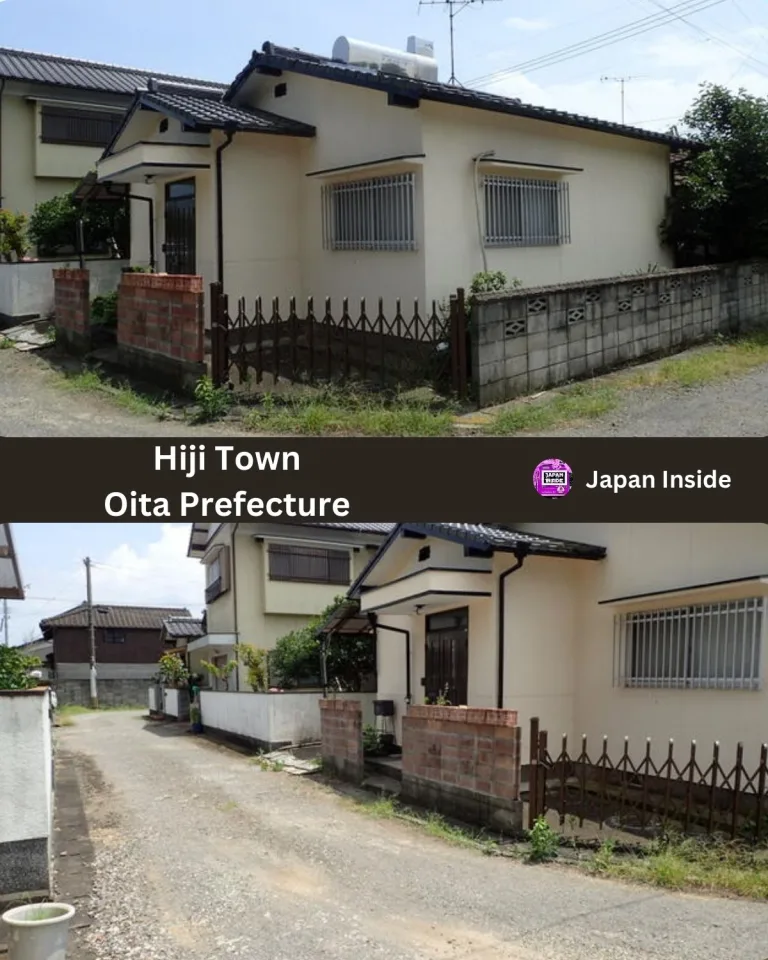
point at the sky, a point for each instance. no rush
(723, 41)
(138, 564)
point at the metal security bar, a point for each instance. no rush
(715, 646)
(526, 213)
(376, 214)
(72, 126)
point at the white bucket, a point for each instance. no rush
(39, 931)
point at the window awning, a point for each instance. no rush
(756, 583)
(347, 620)
(386, 164)
(523, 165)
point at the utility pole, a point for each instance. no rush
(92, 636)
(5, 622)
(621, 81)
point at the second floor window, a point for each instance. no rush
(85, 128)
(308, 564)
(375, 214)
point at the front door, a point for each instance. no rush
(447, 657)
(179, 246)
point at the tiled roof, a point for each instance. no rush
(382, 529)
(273, 57)
(205, 110)
(493, 536)
(82, 74)
(136, 618)
(183, 627)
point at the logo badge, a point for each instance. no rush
(552, 478)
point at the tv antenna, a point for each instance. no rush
(455, 7)
(622, 81)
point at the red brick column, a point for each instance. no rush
(341, 731)
(163, 314)
(464, 762)
(72, 305)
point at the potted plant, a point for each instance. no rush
(38, 931)
(195, 718)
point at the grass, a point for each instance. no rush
(346, 412)
(65, 715)
(122, 395)
(693, 865)
(386, 808)
(590, 399)
(5, 343)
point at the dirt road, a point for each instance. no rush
(201, 854)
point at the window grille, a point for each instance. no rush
(308, 564)
(376, 214)
(526, 213)
(711, 646)
(89, 128)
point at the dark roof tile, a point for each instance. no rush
(183, 627)
(108, 616)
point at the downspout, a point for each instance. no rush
(407, 634)
(521, 552)
(230, 133)
(478, 158)
(234, 600)
(2, 91)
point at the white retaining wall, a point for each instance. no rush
(272, 718)
(26, 792)
(26, 288)
(176, 703)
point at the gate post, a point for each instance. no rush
(219, 336)
(459, 343)
(533, 773)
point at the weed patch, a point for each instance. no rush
(121, 394)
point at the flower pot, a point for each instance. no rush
(38, 931)
(197, 728)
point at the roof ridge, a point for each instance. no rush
(39, 55)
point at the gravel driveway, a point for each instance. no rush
(201, 854)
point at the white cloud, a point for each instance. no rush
(531, 24)
(155, 574)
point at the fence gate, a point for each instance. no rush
(402, 351)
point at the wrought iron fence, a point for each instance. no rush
(405, 350)
(693, 794)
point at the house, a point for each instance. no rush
(315, 175)
(264, 580)
(11, 587)
(177, 632)
(645, 630)
(57, 115)
(129, 644)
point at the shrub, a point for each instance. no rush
(222, 673)
(544, 841)
(255, 662)
(13, 235)
(173, 671)
(104, 310)
(53, 226)
(15, 668)
(213, 401)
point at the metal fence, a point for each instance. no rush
(315, 347)
(693, 793)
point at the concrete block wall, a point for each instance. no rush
(341, 731)
(464, 762)
(26, 793)
(529, 339)
(112, 693)
(72, 306)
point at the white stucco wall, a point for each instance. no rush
(272, 717)
(26, 289)
(176, 703)
(26, 795)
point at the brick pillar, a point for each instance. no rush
(72, 306)
(341, 731)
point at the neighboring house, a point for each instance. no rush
(57, 115)
(129, 645)
(264, 580)
(639, 630)
(43, 651)
(178, 632)
(11, 587)
(319, 176)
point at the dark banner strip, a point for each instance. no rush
(468, 480)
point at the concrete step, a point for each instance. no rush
(378, 783)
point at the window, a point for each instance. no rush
(308, 564)
(373, 214)
(526, 213)
(114, 636)
(87, 128)
(217, 574)
(713, 646)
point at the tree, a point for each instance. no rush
(222, 673)
(255, 662)
(719, 207)
(15, 668)
(53, 226)
(296, 658)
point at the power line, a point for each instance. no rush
(609, 38)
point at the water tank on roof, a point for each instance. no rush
(358, 53)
